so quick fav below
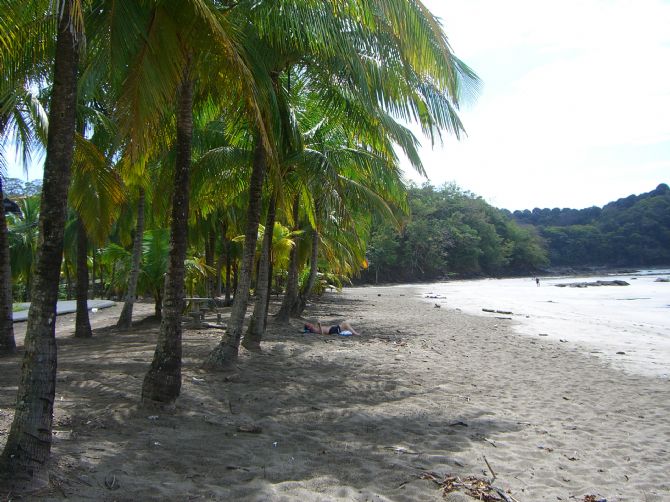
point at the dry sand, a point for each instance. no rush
(353, 418)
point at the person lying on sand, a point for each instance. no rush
(343, 329)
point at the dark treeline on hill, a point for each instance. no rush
(452, 232)
(633, 231)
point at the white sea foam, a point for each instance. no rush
(603, 320)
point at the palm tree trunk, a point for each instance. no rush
(224, 355)
(269, 293)
(299, 307)
(7, 341)
(94, 287)
(162, 382)
(235, 269)
(254, 335)
(126, 318)
(210, 246)
(68, 283)
(29, 440)
(229, 267)
(291, 294)
(82, 327)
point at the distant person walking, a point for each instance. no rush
(537, 281)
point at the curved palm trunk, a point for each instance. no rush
(300, 305)
(162, 382)
(82, 327)
(254, 335)
(225, 354)
(7, 341)
(126, 318)
(29, 441)
(291, 294)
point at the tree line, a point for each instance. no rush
(452, 232)
(202, 146)
(631, 231)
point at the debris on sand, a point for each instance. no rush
(477, 488)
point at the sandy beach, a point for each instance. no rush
(322, 418)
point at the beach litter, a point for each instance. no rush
(477, 488)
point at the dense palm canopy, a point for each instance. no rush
(195, 121)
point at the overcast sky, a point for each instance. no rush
(575, 106)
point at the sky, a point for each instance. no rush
(574, 109)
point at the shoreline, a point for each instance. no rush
(624, 325)
(424, 389)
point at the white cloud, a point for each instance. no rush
(573, 91)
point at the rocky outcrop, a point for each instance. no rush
(587, 284)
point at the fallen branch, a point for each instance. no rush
(490, 469)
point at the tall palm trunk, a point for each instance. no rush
(300, 305)
(7, 341)
(224, 355)
(82, 328)
(269, 293)
(126, 318)
(210, 246)
(29, 440)
(229, 268)
(162, 382)
(291, 294)
(254, 335)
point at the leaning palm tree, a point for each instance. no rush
(193, 37)
(29, 439)
(389, 54)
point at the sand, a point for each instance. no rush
(315, 417)
(628, 326)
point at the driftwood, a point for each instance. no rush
(478, 488)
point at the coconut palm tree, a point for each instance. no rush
(29, 439)
(193, 38)
(23, 121)
(390, 55)
(96, 195)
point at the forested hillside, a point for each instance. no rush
(452, 232)
(633, 231)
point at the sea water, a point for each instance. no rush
(629, 326)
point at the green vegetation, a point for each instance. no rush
(204, 147)
(633, 231)
(452, 232)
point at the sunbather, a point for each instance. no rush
(336, 329)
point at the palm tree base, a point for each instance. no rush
(251, 345)
(22, 479)
(222, 358)
(160, 387)
(125, 321)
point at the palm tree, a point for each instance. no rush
(96, 195)
(193, 37)
(387, 54)
(22, 119)
(23, 237)
(7, 342)
(29, 439)
(126, 317)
